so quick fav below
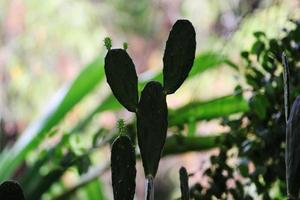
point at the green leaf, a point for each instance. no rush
(179, 55)
(215, 108)
(152, 124)
(83, 164)
(65, 100)
(109, 103)
(259, 34)
(121, 77)
(243, 167)
(259, 104)
(208, 60)
(94, 190)
(258, 48)
(192, 125)
(177, 144)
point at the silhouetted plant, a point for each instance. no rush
(292, 152)
(184, 184)
(151, 110)
(258, 136)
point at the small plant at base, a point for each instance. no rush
(184, 184)
(151, 110)
(11, 190)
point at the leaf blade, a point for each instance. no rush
(65, 100)
(208, 110)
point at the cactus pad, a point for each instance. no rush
(152, 126)
(123, 168)
(121, 77)
(179, 55)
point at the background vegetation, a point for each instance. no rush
(226, 123)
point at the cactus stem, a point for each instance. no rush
(149, 190)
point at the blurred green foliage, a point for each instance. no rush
(256, 140)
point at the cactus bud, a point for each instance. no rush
(123, 168)
(152, 126)
(184, 184)
(125, 46)
(179, 55)
(11, 190)
(121, 77)
(108, 43)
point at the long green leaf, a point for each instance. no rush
(220, 107)
(65, 100)
(94, 190)
(208, 60)
(203, 62)
(177, 144)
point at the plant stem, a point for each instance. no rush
(149, 193)
(286, 77)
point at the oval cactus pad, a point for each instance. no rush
(121, 77)
(152, 124)
(179, 55)
(123, 170)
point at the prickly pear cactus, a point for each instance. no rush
(184, 184)
(123, 168)
(121, 77)
(151, 110)
(152, 124)
(293, 151)
(11, 190)
(179, 55)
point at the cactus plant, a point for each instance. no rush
(151, 111)
(11, 190)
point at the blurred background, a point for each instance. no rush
(45, 45)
